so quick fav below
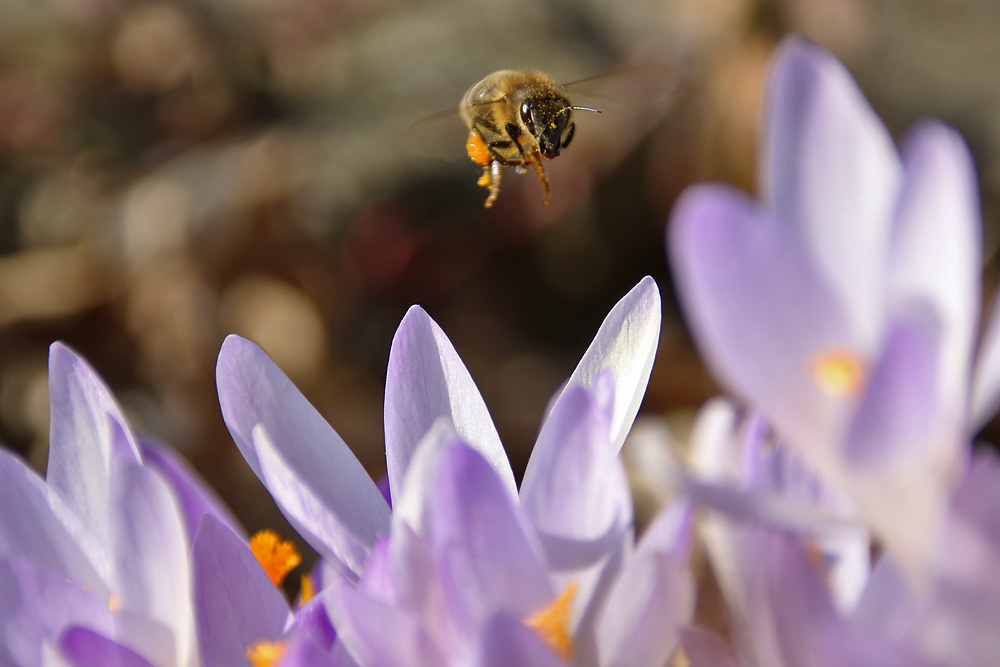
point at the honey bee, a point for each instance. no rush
(516, 118)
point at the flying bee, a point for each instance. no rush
(516, 118)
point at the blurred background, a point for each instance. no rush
(172, 171)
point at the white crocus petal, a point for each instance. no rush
(626, 343)
(149, 548)
(986, 379)
(831, 170)
(330, 517)
(426, 380)
(84, 418)
(937, 251)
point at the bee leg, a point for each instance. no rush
(491, 179)
(536, 161)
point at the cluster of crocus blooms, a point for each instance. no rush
(846, 516)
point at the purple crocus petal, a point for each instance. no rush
(83, 647)
(235, 603)
(252, 391)
(149, 551)
(195, 496)
(626, 343)
(507, 641)
(413, 506)
(986, 378)
(313, 621)
(576, 494)
(760, 311)
(377, 634)
(705, 649)
(936, 251)
(36, 604)
(652, 598)
(329, 527)
(39, 527)
(901, 453)
(303, 652)
(426, 380)
(83, 419)
(488, 555)
(830, 170)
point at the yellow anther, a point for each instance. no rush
(265, 653)
(276, 556)
(114, 603)
(305, 590)
(838, 372)
(551, 622)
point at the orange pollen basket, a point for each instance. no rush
(265, 653)
(477, 150)
(552, 623)
(838, 373)
(276, 556)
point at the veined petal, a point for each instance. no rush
(339, 527)
(937, 248)
(195, 496)
(252, 391)
(36, 604)
(85, 648)
(376, 634)
(149, 548)
(426, 380)
(414, 505)
(761, 314)
(83, 421)
(626, 343)
(831, 171)
(507, 641)
(40, 528)
(236, 605)
(489, 558)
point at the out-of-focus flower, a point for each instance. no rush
(844, 306)
(466, 569)
(96, 561)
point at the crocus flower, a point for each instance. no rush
(95, 560)
(466, 567)
(843, 305)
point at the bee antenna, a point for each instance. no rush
(590, 109)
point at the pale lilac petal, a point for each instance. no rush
(413, 505)
(652, 598)
(577, 497)
(86, 648)
(507, 641)
(195, 496)
(236, 605)
(305, 450)
(149, 550)
(36, 604)
(314, 622)
(937, 248)
(488, 556)
(377, 634)
(626, 343)
(986, 378)
(83, 421)
(39, 527)
(302, 652)
(328, 524)
(760, 312)
(426, 380)
(831, 171)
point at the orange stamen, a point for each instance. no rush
(838, 372)
(276, 556)
(265, 653)
(552, 623)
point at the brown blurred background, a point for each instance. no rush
(172, 171)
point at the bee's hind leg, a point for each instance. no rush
(536, 162)
(491, 179)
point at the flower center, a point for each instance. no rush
(838, 372)
(277, 557)
(551, 622)
(265, 653)
(305, 589)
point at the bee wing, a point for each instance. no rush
(440, 135)
(634, 90)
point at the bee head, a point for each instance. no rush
(547, 119)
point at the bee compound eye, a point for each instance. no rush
(526, 116)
